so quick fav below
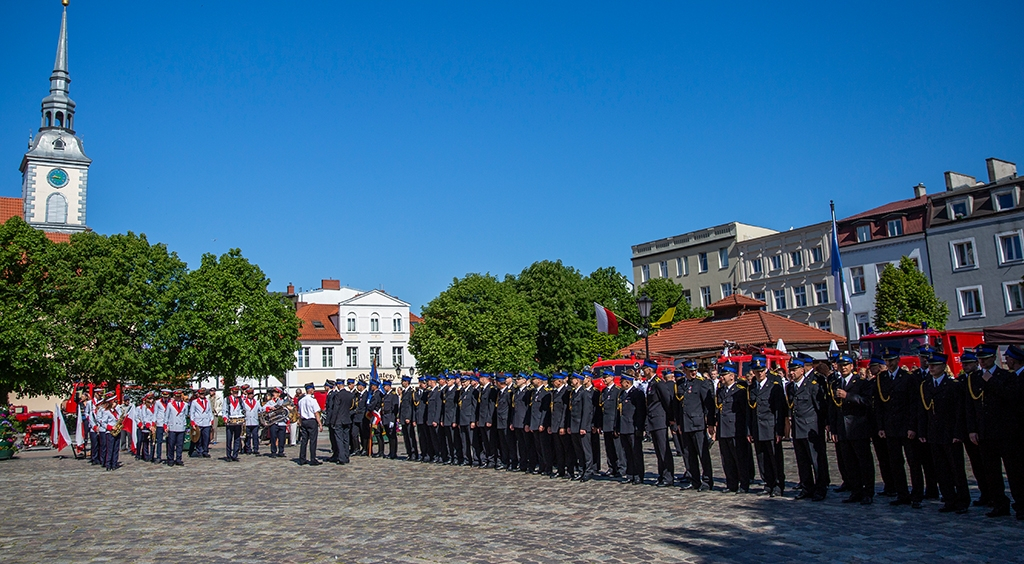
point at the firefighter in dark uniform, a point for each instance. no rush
(360, 424)
(851, 428)
(630, 427)
(971, 376)
(942, 427)
(506, 457)
(524, 457)
(540, 420)
(407, 416)
(609, 413)
(697, 424)
(767, 424)
(559, 429)
(807, 411)
(660, 395)
(389, 419)
(993, 411)
(931, 486)
(896, 413)
(733, 412)
(596, 420)
(581, 421)
(435, 420)
(450, 419)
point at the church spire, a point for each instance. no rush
(58, 108)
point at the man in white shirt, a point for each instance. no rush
(310, 426)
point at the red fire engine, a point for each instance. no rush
(909, 341)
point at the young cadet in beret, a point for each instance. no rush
(733, 445)
(807, 410)
(942, 427)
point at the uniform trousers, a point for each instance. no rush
(527, 450)
(735, 452)
(997, 453)
(484, 446)
(860, 467)
(114, 448)
(695, 451)
(365, 435)
(409, 438)
(332, 436)
(584, 454)
(506, 448)
(343, 431)
(544, 443)
(882, 451)
(666, 464)
(978, 469)
(951, 473)
(616, 458)
(175, 446)
(277, 433)
(355, 439)
(159, 444)
(595, 449)
(144, 446)
(439, 442)
(769, 462)
(633, 450)
(391, 431)
(308, 431)
(233, 444)
(812, 463)
(252, 439)
(560, 451)
(203, 447)
(455, 451)
(95, 451)
(426, 444)
(900, 448)
(103, 449)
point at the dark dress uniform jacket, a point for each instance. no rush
(733, 414)
(992, 415)
(344, 401)
(595, 402)
(521, 407)
(660, 395)
(900, 413)
(768, 416)
(468, 405)
(697, 407)
(503, 411)
(632, 411)
(329, 406)
(389, 408)
(435, 406)
(487, 402)
(406, 410)
(807, 408)
(450, 412)
(419, 404)
(851, 420)
(942, 410)
(609, 408)
(560, 408)
(540, 409)
(374, 401)
(581, 411)
(360, 411)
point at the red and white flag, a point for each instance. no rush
(79, 429)
(606, 320)
(375, 418)
(59, 433)
(129, 425)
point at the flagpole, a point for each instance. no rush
(842, 281)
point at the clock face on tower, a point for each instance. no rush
(58, 178)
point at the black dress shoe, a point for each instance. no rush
(842, 488)
(315, 463)
(802, 495)
(687, 486)
(999, 512)
(818, 497)
(855, 498)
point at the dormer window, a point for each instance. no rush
(958, 208)
(1004, 199)
(318, 324)
(863, 233)
(58, 144)
(895, 227)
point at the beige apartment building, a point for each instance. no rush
(703, 262)
(790, 271)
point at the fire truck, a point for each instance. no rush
(909, 341)
(620, 365)
(777, 360)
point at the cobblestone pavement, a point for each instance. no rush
(374, 510)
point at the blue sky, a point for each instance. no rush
(399, 145)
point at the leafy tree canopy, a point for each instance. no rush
(904, 294)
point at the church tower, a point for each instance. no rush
(55, 170)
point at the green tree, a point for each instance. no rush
(225, 322)
(478, 322)
(27, 321)
(904, 294)
(113, 300)
(558, 298)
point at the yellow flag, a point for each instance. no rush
(665, 318)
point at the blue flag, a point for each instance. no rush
(837, 267)
(373, 371)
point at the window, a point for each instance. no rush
(723, 257)
(396, 356)
(1009, 247)
(317, 324)
(375, 356)
(56, 209)
(796, 258)
(857, 279)
(756, 265)
(663, 267)
(821, 293)
(396, 325)
(958, 208)
(351, 323)
(816, 255)
(645, 272)
(374, 324)
(58, 144)
(863, 233)
(963, 254)
(780, 299)
(863, 325)
(894, 227)
(705, 296)
(679, 266)
(352, 356)
(327, 357)
(686, 296)
(825, 325)
(303, 358)
(760, 296)
(972, 302)
(702, 262)
(1004, 199)
(776, 262)
(1014, 297)
(800, 296)
(726, 289)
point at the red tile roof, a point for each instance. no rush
(11, 207)
(698, 337)
(737, 301)
(308, 313)
(891, 207)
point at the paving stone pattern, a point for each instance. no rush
(375, 510)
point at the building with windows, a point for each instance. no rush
(344, 330)
(790, 272)
(872, 240)
(703, 262)
(975, 243)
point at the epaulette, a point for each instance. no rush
(740, 385)
(815, 382)
(700, 378)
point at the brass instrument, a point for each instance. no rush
(236, 421)
(193, 435)
(293, 413)
(120, 423)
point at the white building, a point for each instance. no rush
(344, 330)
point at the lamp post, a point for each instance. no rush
(643, 303)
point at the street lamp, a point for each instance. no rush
(643, 303)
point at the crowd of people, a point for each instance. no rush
(912, 425)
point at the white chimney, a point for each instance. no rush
(920, 190)
(956, 180)
(1000, 170)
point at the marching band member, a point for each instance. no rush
(146, 426)
(279, 429)
(175, 423)
(252, 409)
(201, 415)
(234, 417)
(160, 413)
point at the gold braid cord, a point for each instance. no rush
(970, 390)
(927, 406)
(881, 395)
